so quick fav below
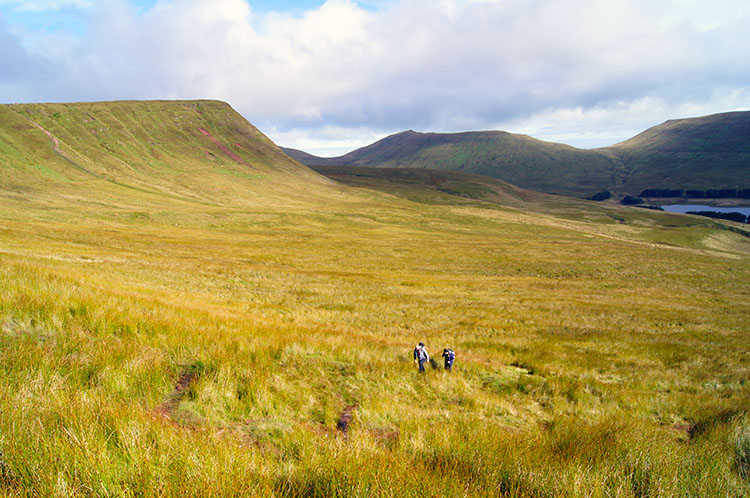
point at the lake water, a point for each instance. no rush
(684, 208)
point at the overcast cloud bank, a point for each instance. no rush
(587, 73)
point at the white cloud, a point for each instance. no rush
(608, 124)
(326, 140)
(344, 73)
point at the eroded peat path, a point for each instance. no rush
(58, 151)
(181, 388)
(188, 376)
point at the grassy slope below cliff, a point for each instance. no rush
(178, 330)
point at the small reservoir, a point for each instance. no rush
(684, 208)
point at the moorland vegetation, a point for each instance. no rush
(185, 311)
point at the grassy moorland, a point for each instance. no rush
(186, 323)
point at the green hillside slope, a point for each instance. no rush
(191, 314)
(711, 152)
(517, 159)
(149, 151)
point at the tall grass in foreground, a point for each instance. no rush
(212, 354)
(86, 379)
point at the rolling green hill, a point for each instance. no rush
(517, 159)
(711, 152)
(185, 311)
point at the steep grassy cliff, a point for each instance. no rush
(148, 152)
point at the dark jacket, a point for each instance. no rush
(449, 356)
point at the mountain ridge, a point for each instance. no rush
(654, 158)
(483, 152)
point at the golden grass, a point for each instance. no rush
(582, 361)
(159, 347)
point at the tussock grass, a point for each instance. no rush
(742, 448)
(187, 348)
(563, 386)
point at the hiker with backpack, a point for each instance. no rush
(449, 357)
(421, 356)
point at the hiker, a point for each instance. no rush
(449, 356)
(421, 356)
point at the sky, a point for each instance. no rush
(330, 76)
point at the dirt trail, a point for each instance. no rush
(224, 148)
(186, 379)
(56, 148)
